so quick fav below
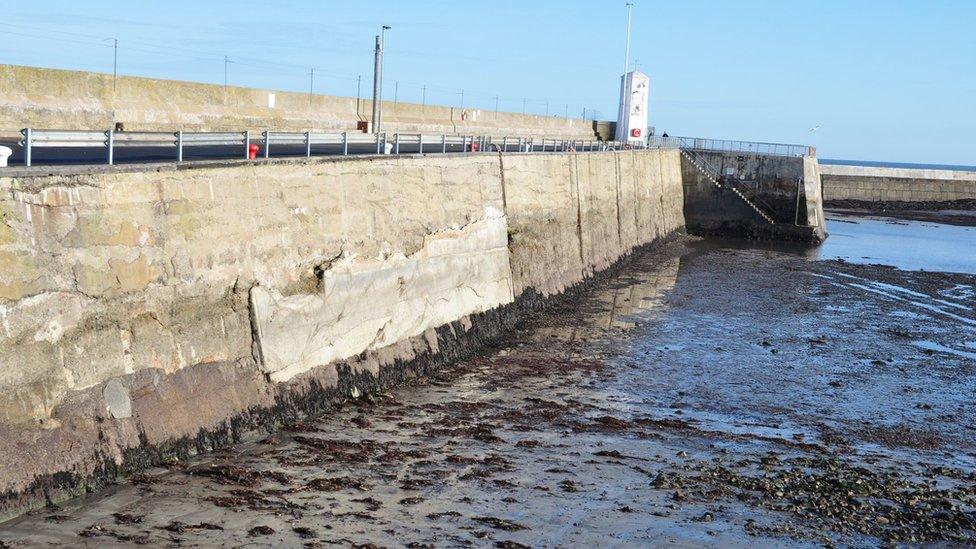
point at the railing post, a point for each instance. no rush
(420, 141)
(110, 144)
(308, 144)
(443, 143)
(384, 143)
(396, 143)
(267, 144)
(345, 143)
(28, 144)
(179, 146)
(377, 143)
(464, 143)
(247, 144)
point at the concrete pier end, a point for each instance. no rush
(754, 196)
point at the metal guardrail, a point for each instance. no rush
(269, 142)
(754, 147)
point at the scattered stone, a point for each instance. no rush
(508, 544)
(443, 514)
(178, 527)
(227, 474)
(412, 500)
(125, 518)
(499, 524)
(260, 531)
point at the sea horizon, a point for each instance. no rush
(883, 164)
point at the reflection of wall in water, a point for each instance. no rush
(637, 295)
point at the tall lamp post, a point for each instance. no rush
(378, 81)
(630, 8)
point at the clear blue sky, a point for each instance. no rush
(884, 80)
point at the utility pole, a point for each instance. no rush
(496, 104)
(462, 100)
(547, 108)
(423, 96)
(396, 91)
(311, 85)
(566, 114)
(359, 86)
(523, 105)
(630, 8)
(378, 81)
(115, 64)
(226, 61)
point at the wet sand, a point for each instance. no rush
(708, 395)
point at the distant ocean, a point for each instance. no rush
(874, 164)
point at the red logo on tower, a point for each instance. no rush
(636, 132)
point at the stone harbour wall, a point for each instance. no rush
(60, 99)
(158, 311)
(892, 185)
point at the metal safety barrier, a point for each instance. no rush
(754, 147)
(271, 143)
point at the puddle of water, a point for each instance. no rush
(936, 347)
(908, 245)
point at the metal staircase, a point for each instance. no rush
(713, 174)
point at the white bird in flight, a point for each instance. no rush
(815, 128)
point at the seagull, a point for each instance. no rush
(815, 128)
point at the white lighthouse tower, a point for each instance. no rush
(632, 115)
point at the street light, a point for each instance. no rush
(378, 80)
(630, 8)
